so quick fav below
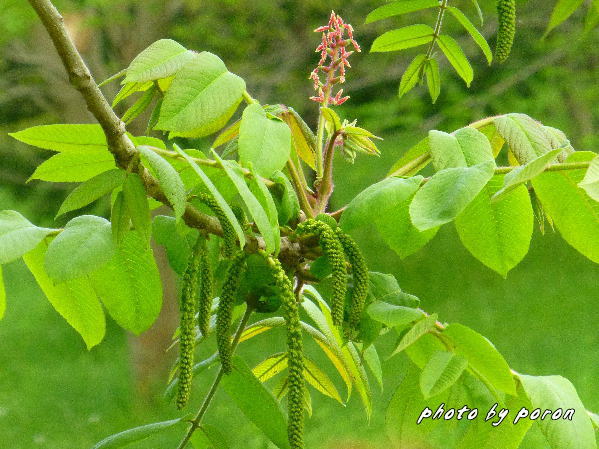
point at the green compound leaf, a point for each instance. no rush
(441, 372)
(202, 97)
(160, 60)
(497, 233)
(256, 210)
(63, 138)
(256, 402)
(456, 57)
(412, 74)
(74, 166)
(18, 235)
(168, 178)
(476, 36)
(525, 173)
(400, 7)
(74, 299)
(84, 246)
(137, 204)
(574, 213)
(129, 285)
(483, 359)
(590, 182)
(136, 434)
(433, 78)
(264, 141)
(216, 194)
(402, 38)
(553, 393)
(447, 194)
(91, 190)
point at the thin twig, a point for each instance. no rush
(300, 190)
(195, 423)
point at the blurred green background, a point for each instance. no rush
(55, 395)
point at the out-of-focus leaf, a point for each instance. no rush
(18, 235)
(136, 434)
(402, 38)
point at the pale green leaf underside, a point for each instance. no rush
(84, 246)
(161, 59)
(526, 138)
(18, 235)
(590, 182)
(441, 372)
(201, 93)
(74, 299)
(392, 315)
(556, 392)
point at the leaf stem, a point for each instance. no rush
(438, 25)
(195, 423)
(300, 189)
(320, 134)
(325, 188)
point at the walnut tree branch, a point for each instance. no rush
(119, 144)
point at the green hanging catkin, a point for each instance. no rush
(224, 313)
(332, 248)
(187, 330)
(205, 296)
(360, 277)
(295, 357)
(506, 13)
(229, 235)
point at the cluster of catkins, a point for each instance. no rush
(341, 251)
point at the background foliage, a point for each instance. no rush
(47, 382)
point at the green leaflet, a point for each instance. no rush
(161, 59)
(302, 136)
(392, 315)
(412, 74)
(373, 361)
(262, 220)
(556, 392)
(120, 219)
(256, 402)
(415, 333)
(18, 235)
(402, 38)
(441, 372)
(270, 366)
(2, 295)
(527, 138)
(166, 233)
(577, 219)
(129, 89)
(319, 380)
(202, 95)
(483, 359)
(414, 160)
(285, 198)
(433, 78)
(91, 190)
(525, 173)
(137, 204)
(208, 437)
(140, 105)
(400, 7)
(384, 287)
(129, 285)
(590, 183)
(136, 434)
(562, 10)
(465, 147)
(262, 194)
(74, 299)
(264, 141)
(497, 233)
(74, 166)
(84, 246)
(476, 36)
(63, 138)
(447, 194)
(168, 178)
(456, 57)
(216, 194)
